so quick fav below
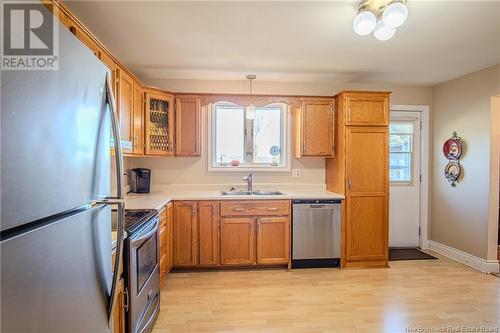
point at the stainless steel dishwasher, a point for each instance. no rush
(316, 233)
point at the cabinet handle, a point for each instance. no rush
(272, 209)
(349, 183)
(238, 209)
(349, 114)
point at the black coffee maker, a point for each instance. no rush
(140, 180)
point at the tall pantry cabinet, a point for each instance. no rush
(360, 171)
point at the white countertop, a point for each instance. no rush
(158, 199)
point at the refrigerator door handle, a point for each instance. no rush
(117, 267)
(115, 124)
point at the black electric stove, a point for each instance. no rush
(135, 219)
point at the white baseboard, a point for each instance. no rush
(483, 265)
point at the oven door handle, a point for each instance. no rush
(145, 236)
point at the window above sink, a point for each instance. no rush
(249, 138)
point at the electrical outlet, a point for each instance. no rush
(296, 173)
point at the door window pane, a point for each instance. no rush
(401, 151)
(267, 134)
(229, 134)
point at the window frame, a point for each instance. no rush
(411, 152)
(285, 141)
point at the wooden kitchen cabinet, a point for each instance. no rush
(83, 36)
(119, 310)
(366, 108)
(273, 240)
(237, 241)
(113, 71)
(126, 110)
(208, 219)
(187, 126)
(185, 233)
(314, 127)
(367, 189)
(138, 120)
(163, 239)
(360, 171)
(170, 236)
(159, 123)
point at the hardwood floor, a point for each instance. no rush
(428, 293)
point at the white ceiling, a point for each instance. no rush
(294, 41)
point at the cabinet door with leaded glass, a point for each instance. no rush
(159, 124)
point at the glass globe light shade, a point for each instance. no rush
(383, 32)
(364, 23)
(395, 15)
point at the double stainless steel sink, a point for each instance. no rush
(251, 193)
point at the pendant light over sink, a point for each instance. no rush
(250, 110)
(381, 17)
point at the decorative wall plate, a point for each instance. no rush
(452, 172)
(452, 149)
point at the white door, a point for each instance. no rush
(404, 175)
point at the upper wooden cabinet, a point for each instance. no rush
(366, 108)
(138, 120)
(113, 70)
(126, 110)
(187, 126)
(185, 233)
(82, 35)
(313, 127)
(159, 120)
(208, 219)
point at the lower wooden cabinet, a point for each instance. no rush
(237, 241)
(185, 233)
(273, 240)
(166, 239)
(170, 236)
(231, 233)
(208, 219)
(119, 310)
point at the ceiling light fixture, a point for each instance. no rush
(383, 32)
(395, 14)
(364, 22)
(381, 17)
(250, 110)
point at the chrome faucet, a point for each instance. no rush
(249, 180)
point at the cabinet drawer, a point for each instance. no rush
(255, 208)
(163, 241)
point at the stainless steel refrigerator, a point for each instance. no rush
(56, 131)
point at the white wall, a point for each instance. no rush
(460, 215)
